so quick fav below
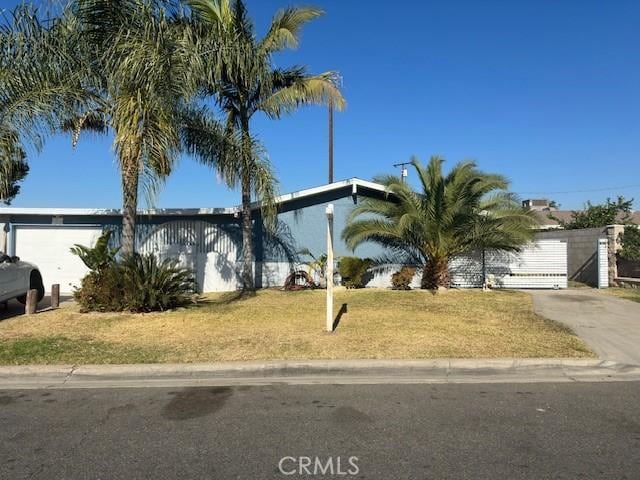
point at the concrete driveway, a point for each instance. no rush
(609, 325)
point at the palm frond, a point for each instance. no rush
(209, 142)
(41, 74)
(452, 213)
(13, 167)
(265, 187)
(212, 11)
(285, 28)
(304, 90)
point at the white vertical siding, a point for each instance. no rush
(206, 248)
(204, 237)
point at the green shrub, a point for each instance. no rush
(630, 241)
(138, 283)
(353, 271)
(401, 280)
(101, 291)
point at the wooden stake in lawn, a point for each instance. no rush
(55, 295)
(32, 302)
(329, 273)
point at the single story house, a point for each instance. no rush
(208, 240)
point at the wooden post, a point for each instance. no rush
(32, 302)
(55, 295)
(329, 213)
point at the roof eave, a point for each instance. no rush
(355, 184)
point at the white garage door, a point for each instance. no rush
(48, 247)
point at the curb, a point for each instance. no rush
(318, 372)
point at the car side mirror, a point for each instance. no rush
(15, 259)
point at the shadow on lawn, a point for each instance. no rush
(341, 312)
(226, 298)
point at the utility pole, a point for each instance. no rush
(330, 141)
(403, 170)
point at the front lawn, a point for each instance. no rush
(274, 325)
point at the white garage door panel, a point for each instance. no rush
(542, 264)
(49, 248)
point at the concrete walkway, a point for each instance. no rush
(609, 325)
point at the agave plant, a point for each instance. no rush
(151, 284)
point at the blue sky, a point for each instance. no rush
(544, 92)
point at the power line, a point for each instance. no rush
(605, 189)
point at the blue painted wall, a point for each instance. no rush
(307, 226)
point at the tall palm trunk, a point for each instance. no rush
(435, 274)
(247, 224)
(130, 177)
(247, 235)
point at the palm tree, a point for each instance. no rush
(451, 214)
(244, 81)
(39, 87)
(124, 66)
(142, 65)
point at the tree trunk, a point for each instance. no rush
(247, 224)
(130, 176)
(484, 268)
(435, 274)
(247, 235)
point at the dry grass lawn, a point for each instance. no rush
(289, 325)
(632, 294)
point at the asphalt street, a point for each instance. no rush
(474, 431)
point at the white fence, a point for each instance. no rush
(542, 264)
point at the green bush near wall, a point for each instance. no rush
(401, 280)
(135, 283)
(353, 271)
(630, 241)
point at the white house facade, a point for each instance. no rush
(208, 241)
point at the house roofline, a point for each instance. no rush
(354, 183)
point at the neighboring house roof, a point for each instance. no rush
(355, 186)
(565, 215)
